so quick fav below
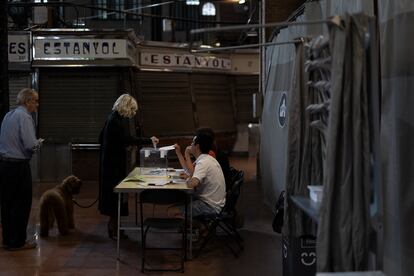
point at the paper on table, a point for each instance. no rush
(157, 181)
(179, 181)
(134, 178)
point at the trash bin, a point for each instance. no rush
(299, 255)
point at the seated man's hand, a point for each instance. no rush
(188, 151)
(177, 148)
(184, 175)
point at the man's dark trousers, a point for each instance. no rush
(16, 201)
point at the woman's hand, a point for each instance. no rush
(155, 141)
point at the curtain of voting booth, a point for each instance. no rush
(279, 80)
(274, 125)
(341, 140)
(396, 26)
(344, 224)
(396, 18)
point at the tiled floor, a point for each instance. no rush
(88, 251)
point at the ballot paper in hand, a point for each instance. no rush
(166, 148)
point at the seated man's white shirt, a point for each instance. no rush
(212, 186)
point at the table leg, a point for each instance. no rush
(119, 224)
(136, 209)
(191, 228)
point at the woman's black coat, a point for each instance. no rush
(114, 139)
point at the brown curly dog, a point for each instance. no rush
(56, 203)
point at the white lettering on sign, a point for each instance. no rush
(78, 49)
(18, 48)
(177, 60)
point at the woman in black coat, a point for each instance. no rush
(114, 140)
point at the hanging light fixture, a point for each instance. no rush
(208, 9)
(242, 1)
(192, 2)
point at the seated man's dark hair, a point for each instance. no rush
(206, 130)
(205, 141)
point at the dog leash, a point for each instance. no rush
(82, 206)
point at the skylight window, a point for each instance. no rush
(209, 9)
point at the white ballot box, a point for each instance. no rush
(153, 161)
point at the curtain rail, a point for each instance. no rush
(335, 20)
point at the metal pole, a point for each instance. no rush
(247, 46)
(4, 79)
(262, 40)
(118, 231)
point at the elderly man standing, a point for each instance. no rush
(18, 142)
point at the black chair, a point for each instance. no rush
(225, 219)
(231, 178)
(163, 197)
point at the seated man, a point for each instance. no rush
(207, 178)
(221, 157)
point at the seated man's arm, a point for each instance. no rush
(189, 163)
(193, 182)
(180, 156)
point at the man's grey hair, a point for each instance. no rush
(126, 106)
(25, 95)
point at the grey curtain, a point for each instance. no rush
(280, 64)
(396, 19)
(343, 231)
(294, 220)
(304, 160)
(273, 135)
(340, 7)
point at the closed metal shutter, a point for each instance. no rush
(74, 103)
(165, 101)
(17, 81)
(213, 100)
(245, 86)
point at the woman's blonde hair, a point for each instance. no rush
(126, 106)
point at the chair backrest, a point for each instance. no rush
(233, 194)
(163, 196)
(231, 178)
